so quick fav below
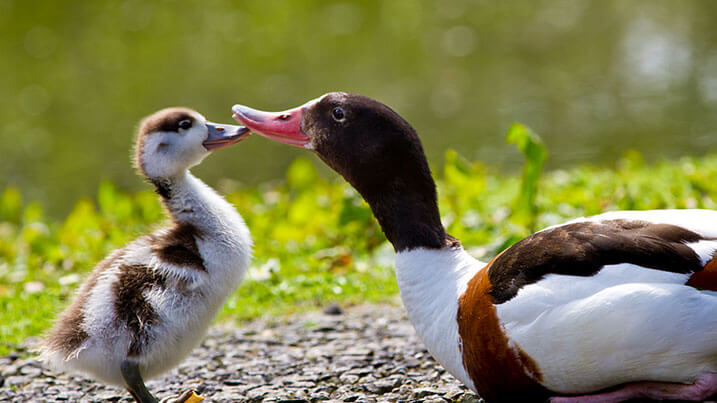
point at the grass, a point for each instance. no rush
(316, 241)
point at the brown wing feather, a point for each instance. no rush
(583, 249)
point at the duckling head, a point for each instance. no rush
(173, 140)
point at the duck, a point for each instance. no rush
(607, 308)
(144, 308)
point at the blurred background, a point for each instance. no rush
(594, 78)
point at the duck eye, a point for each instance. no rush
(185, 124)
(338, 114)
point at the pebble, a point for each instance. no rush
(333, 309)
(367, 353)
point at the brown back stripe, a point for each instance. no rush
(179, 246)
(500, 373)
(705, 279)
(132, 308)
(582, 249)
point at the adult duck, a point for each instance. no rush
(600, 309)
(147, 305)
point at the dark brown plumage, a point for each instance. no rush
(178, 246)
(380, 154)
(583, 249)
(131, 306)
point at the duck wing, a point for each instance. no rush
(584, 248)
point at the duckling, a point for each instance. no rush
(148, 304)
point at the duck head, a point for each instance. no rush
(374, 149)
(360, 138)
(175, 139)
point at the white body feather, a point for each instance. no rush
(430, 283)
(186, 305)
(626, 323)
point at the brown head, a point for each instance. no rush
(173, 140)
(374, 149)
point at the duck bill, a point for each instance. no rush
(284, 127)
(220, 136)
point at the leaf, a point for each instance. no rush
(530, 144)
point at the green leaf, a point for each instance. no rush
(532, 148)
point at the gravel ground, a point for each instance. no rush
(365, 354)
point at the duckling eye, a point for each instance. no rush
(185, 124)
(338, 114)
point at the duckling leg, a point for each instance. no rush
(135, 384)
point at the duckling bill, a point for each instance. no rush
(147, 305)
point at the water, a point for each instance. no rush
(594, 78)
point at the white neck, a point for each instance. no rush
(430, 282)
(191, 201)
(225, 243)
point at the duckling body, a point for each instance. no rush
(601, 309)
(150, 303)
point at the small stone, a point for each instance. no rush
(30, 370)
(16, 381)
(333, 309)
(224, 397)
(361, 371)
(423, 392)
(358, 351)
(381, 387)
(453, 394)
(349, 378)
(108, 396)
(9, 370)
(260, 392)
(470, 398)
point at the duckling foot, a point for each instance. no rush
(187, 397)
(703, 388)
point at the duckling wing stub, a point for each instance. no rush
(178, 247)
(584, 248)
